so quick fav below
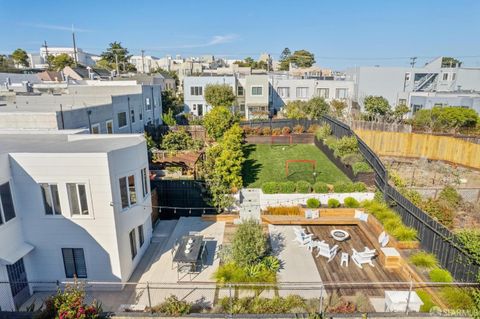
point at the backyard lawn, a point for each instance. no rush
(266, 163)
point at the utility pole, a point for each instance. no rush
(46, 52)
(143, 61)
(412, 61)
(116, 64)
(74, 47)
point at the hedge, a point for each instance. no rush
(313, 203)
(303, 187)
(320, 187)
(333, 203)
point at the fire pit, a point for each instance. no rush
(339, 234)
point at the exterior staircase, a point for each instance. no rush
(249, 205)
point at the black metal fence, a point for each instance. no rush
(433, 236)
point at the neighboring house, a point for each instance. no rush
(145, 64)
(427, 100)
(165, 81)
(50, 76)
(71, 206)
(396, 83)
(86, 73)
(257, 96)
(82, 57)
(17, 82)
(100, 106)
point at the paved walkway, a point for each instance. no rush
(250, 204)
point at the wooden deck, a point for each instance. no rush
(333, 273)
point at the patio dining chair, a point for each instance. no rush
(174, 249)
(325, 251)
(314, 244)
(364, 257)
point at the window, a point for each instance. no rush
(77, 197)
(155, 102)
(407, 76)
(74, 262)
(96, 128)
(196, 90)
(122, 119)
(141, 236)
(51, 201)
(6, 201)
(144, 182)
(445, 76)
(240, 91)
(133, 243)
(109, 126)
(402, 101)
(283, 91)
(257, 90)
(454, 75)
(242, 107)
(127, 191)
(148, 105)
(132, 113)
(341, 93)
(323, 92)
(302, 92)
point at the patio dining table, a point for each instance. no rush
(191, 256)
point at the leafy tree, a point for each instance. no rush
(338, 106)
(218, 121)
(316, 107)
(249, 244)
(116, 52)
(400, 111)
(250, 62)
(168, 118)
(149, 140)
(376, 105)
(177, 141)
(446, 119)
(302, 58)
(104, 64)
(57, 63)
(449, 62)
(171, 101)
(6, 64)
(295, 109)
(20, 57)
(285, 59)
(219, 95)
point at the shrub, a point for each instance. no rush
(424, 260)
(284, 210)
(249, 244)
(173, 307)
(271, 263)
(440, 275)
(361, 167)
(320, 187)
(390, 224)
(286, 187)
(351, 202)
(439, 210)
(352, 158)
(276, 132)
(286, 130)
(266, 131)
(404, 233)
(359, 187)
(345, 145)
(247, 130)
(323, 132)
(470, 238)
(450, 196)
(313, 203)
(257, 131)
(303, 187)
(298, 129)
(313, 128)
(230, 272)
(333, 203)
(343, 187)
(177, 140)
(270, 187)
(260, 305)
(457, 298)
(426, 299)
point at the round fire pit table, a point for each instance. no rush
(339, 234)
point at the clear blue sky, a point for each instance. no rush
(339, 33)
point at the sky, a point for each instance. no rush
(341, 33)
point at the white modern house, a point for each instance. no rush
(428, 100)
(100, 106)
(71, 206)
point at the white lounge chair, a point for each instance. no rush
(314, 243)
(383, 239)
(364, 257)
(325, 251)
(360, 215)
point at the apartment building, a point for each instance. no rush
(39, 61)
(71, 206)
(397, 83)
(109, 107)
(428, 100)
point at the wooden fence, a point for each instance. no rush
(442, 148)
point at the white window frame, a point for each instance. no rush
(87, 198)
(326, 92)
(148, 105)
(129, 194)
(338, 90)
(257, 87)
(132, 115)
(282, 90)
(141, 235)
(106, 126)
(3, 219)
(97, 126)
(445, 76)
(196, 90)
(301, 89)
(144, 177)
(126, 119)
(133, 245)
(53, 211)
(238, 90)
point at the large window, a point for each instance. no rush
(128, 194)
(240, 90)
(109, 126)
(133, 243)
(283, 92)
(141, 235)
(122, 119)
(302, 92)
(323, 92)
(445, 76)
(51, 201)
(132, 113)
(74, 262)
(196, 90)
(77, 197)
(257, 90)
(148, 104)
(341, 93)
(96, 128)
(144, 182)
(6, 200)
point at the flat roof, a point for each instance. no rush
(35, 142)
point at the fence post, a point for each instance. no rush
(321, 299)
(230, 297)
(148, 294)
(409, 295)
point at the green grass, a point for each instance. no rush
(266, 163)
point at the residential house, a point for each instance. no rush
(86, 73)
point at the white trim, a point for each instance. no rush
(256, 86)
(97, 126)
(106, 126)
(126, 117)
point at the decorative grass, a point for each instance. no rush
(424, 260)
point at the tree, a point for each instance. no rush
(219, 95)
(61, 61)
(302, 58)
(337, 107)
(249, 244)
(446, 119)
(285, 59)
(168, 118)
(170, 101)
(177, 141)
(6, 64)
(250, 62)
(295, 109)
(376, 105)
(316, 107)
(149, 140)
(218, 121)
(449, 62)
(117, 53)
(20, 57)
(400, 111)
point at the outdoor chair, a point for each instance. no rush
(302, 238)
(364, 257)
(325, 251)
(361, 215)
(314, 243)
(174, 249)
(383, 239)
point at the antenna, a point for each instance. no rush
(74, 47)
(143, 62)
(412, 61)
(46, 52)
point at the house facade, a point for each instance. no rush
(91, 222)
